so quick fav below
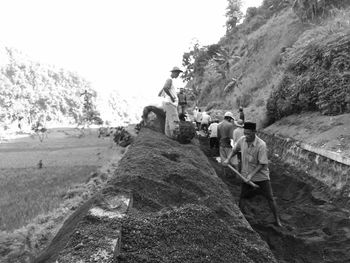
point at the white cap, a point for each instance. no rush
(229, 114)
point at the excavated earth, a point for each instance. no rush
(184, 210)
(316, 226)
(180, 211)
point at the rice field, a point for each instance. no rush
(27, 191)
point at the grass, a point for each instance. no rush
(28, 192)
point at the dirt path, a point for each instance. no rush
(316, 229)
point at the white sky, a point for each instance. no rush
(125, 45)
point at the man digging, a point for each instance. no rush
(254, 168)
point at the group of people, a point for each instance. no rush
(238, 143)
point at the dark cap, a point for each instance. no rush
(250, 125)
(176, 69)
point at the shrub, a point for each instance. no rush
(214, 105)
(244, 100)
(259, 103)
(317, 76)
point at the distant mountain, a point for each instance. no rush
(33, 91)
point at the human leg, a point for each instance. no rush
(171, 120)
(266, 190)
(211, 142)
(224, 153)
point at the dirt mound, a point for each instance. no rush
(191, 233)
(176, 196)
(181, 212)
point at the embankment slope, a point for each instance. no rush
(181, 212)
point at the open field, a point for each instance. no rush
(68, 160)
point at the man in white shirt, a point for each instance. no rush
(213, 135)
(206, 119)
(170, 104)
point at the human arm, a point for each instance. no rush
(160, 93)
(167, 87)
(232, 153)
(255, 171)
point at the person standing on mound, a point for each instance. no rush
(170, 104)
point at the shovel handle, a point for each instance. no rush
(242, 177)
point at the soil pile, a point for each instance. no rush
(181, 211)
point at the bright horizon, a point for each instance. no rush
(128, 46)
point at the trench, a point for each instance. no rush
(316, 227)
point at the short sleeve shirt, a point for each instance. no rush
(252, 156)
(213, 128)
(169, 85)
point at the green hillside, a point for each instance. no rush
(286, 57)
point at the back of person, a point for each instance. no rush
(205, 118)
(182, 98)
(225, 133)
(213, 130)
(199, 116)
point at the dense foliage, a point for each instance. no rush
(33, 91)
(285, 57)
(317, 76)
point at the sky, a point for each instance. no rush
(128, 46)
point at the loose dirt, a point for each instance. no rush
(315, 228)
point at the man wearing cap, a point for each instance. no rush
(254, 167)
(170, 104)
(225, 132)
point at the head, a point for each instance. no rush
(240, 108)
(249, 131)
(175, 72)
(228, 116)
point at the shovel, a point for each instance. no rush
(242, 177)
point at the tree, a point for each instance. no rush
(233, 14)
(90, 114)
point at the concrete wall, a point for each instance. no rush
(330, 168)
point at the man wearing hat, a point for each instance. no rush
(225, 132)
(170, 104)
(254, 167)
